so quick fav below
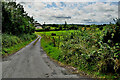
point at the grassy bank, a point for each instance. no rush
(12, 43)
(91, 50)
(48, 46)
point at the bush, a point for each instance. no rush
(11, 43)
(11, 40)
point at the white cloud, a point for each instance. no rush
(68, 0)
(80, 12)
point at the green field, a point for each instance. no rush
(88, 49)
(58, 33)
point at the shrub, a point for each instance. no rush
(11, 40)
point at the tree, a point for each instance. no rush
(43, 26)
(15, 20)
(66, 26)
(117, 21)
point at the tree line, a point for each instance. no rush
(15, 19)
(65, 26)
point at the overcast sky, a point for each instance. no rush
(72, 12)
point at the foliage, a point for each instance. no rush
(11, 43)
(48, 46)
(18, 27)
(11, 40)
(89, 48)
(15, 20)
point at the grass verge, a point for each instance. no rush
(11, 44)
(48, 46)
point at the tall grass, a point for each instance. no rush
(48, 46)
(12, 43)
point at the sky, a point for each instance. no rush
(73, 12)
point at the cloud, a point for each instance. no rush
(68, 0)
(72, 12)
(62, 17)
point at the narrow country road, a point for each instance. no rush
(32, 62)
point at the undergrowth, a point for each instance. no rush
(89, 49)
(12, 43)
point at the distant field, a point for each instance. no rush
(58, 33)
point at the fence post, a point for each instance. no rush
(54, 41)
(59, 42)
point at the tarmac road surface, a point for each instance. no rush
(32, 62)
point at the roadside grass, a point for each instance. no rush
(36, 41)
(48, 46)
(11, 43)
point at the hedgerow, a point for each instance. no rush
(93, 49)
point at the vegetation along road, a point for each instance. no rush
(32, 62)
